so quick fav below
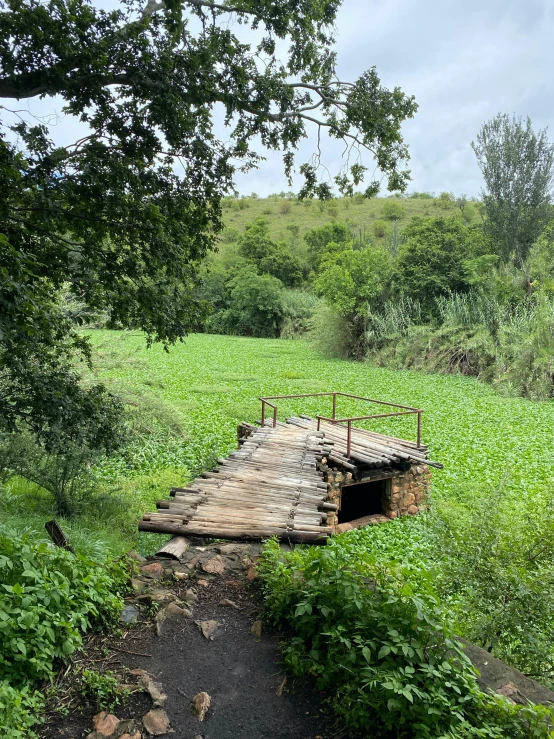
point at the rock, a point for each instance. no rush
(215, 565)
(409, 499)
(239, 549)
(105, 723)
(174, 609)
(252, 573)
(257, 629)
(201, 703)
(208, 628)
(154, 570)
(134, 735)
(130, 614)
(413, 510)
(203, 583)
(181, 575)
(163, 596)
(138, 585)
(137, 557)
(281, 688)
(154, 689)
(190, 597)
(227, 602)
(156, 722)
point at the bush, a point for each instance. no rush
(374, 634)
(331, 333)
(230, 235)
(379, 229)
(49, 598)
(19, 708)
(285, 208)
(393, 211)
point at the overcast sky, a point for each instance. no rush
(464, 60)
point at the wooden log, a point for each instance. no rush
(297, 537)
(174, 548)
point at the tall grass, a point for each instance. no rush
(474, 334)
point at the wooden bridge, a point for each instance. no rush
(274, 484)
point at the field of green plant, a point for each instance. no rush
(199, 391)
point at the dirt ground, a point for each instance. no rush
(251, 695)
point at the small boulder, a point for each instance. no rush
(130, 614)
(153, 570)
(105, 723)
(203, 583)
(190, 597)
(227, 602)
(180, 575)
(257, 629)
(215, 565)
(137, 585)
(156, 722)
(208, 628)
(201, 703)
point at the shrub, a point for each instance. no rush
(104, 689)
(230, 235)
(19, 708)
(374, 634)
(331, 333)
(379, 229)
(285, 208)
(393, 211)
(49, 598)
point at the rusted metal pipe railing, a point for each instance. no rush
(406, 411)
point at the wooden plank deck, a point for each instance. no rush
(271, 485)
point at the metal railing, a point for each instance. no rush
(406, 411)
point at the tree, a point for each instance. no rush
(517, 166)
(318, 238)
(351, 280)
(431, 261)
(270, 258)
(255, 305)
(124, 216)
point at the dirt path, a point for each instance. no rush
(197, 631)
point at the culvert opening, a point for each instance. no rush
(362, 499)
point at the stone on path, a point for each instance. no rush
(105, 723)
(257, 629)
(215, 565)
(201, 703)
(180, 575)
(156, 722)
(208, 628)
(227, 602)
(129, 614)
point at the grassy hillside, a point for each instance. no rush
(290, 219)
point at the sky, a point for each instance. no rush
(463, 60)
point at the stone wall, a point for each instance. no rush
(406, 493)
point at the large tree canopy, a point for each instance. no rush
(124, 215)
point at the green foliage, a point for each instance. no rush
(518, 168)
(431, 260)
(49, 598)
(299, 307)
(318, 238)
(19, 708)
(495, 565)
(393, 210)
(270, 258)
(110, 217)
(255, 306)
(379, 229)
(103, 688)
(372, 631)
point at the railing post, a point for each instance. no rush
(263, 413)
(418, 429)
(348, 438)
(334, 406)
(318, 422)
(275, 417)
